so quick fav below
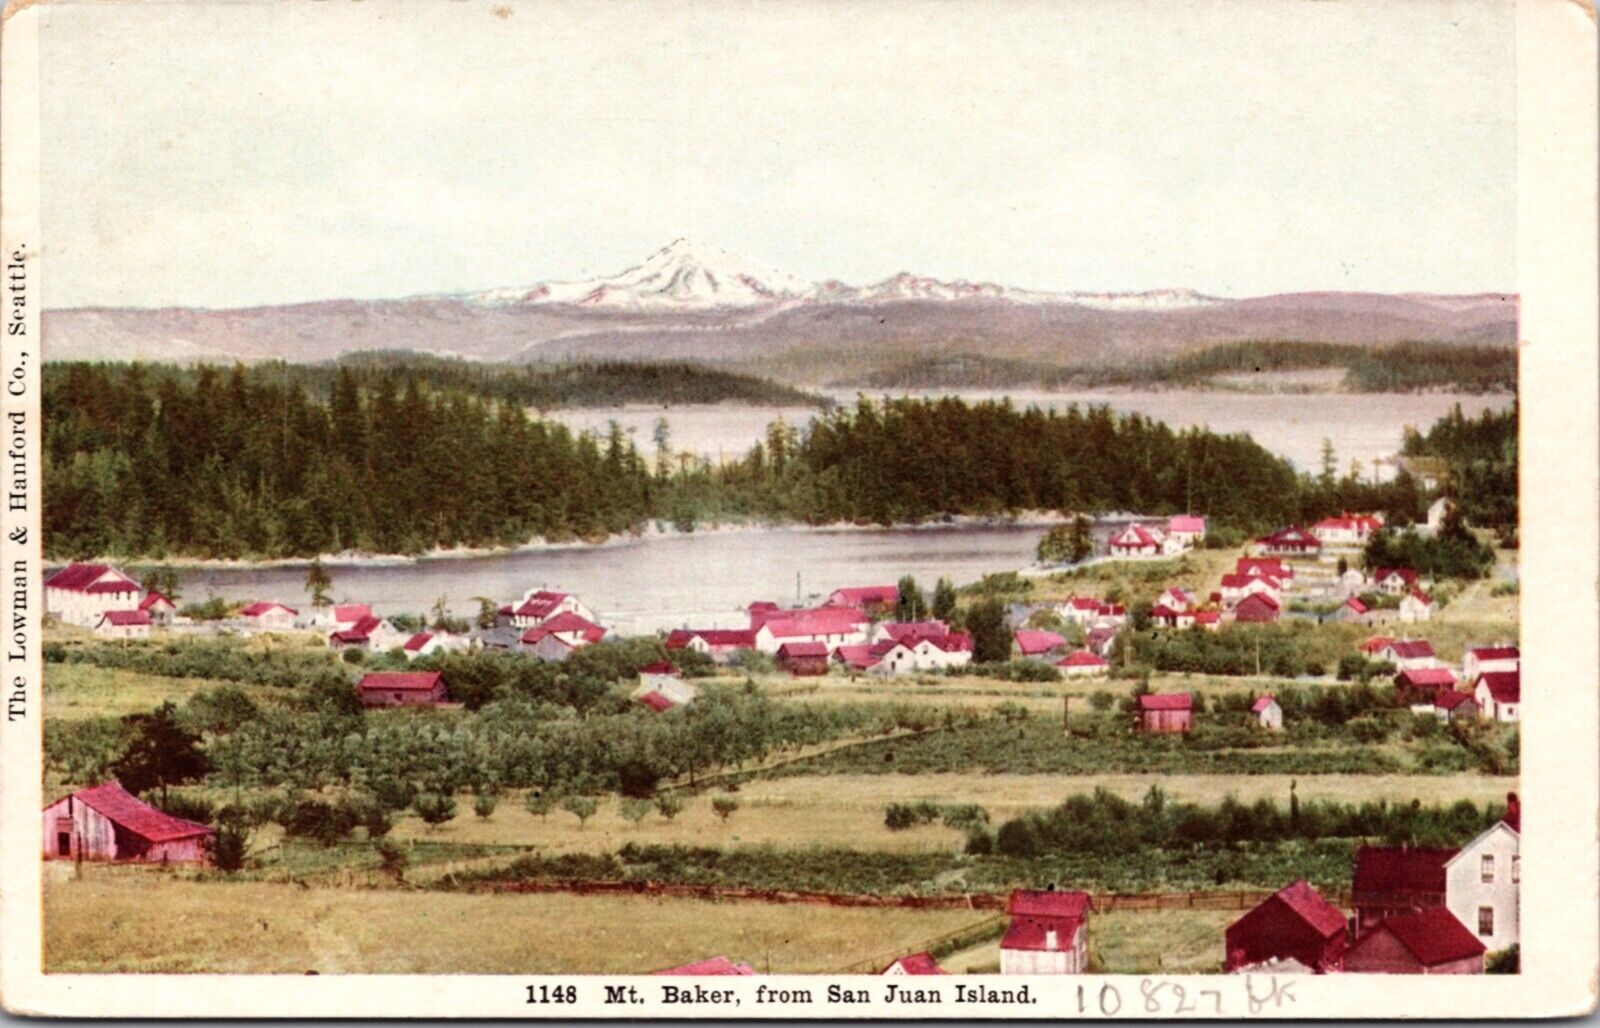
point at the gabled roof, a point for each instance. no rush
(713, 965)
(126, 618)
(1048, 903)
(418, 641)
(1256, 600)
(950, 642)
(864, 595)
(1162, 612)
(1406, 575)
(1408, 648)
(261, 607)
(566, 623)
(351, 612)
(1418, 594)
(656, 701)
(399, 680)
(1271, 566)
(1428, 677)
(739, 638)
(1262, 703)
(155, 599)
(1434, 936)
(803, 649)
(911, 631)
(858, 655)
(1032, 641)
(1081, 658)
(793, 624)
(1207, 617)
(1504, 686)
(1483, 653)
(1291, 536)
(1355, 604)
(1375, 644)
(660, 667)
(917, 963)
(1134, 536)
(86, 578)
(1450, 699)
(1166, 701)
(1400, 869)
(1239, 580)
(360, 631)
(122, 807)
(1310, 906)
(1036, 913)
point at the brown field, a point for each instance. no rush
(142, 920)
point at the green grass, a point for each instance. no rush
(78, 691)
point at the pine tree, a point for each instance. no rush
(318, 582)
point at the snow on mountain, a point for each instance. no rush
(689, 276)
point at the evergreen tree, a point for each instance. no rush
(991, 638)
(944, 601)
(909, 604)
(161, 752)
(318, 582)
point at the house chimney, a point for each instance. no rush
(1513, 816)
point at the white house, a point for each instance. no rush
(1395, 581)
(1346, 530)
(421, 644)
(573, 630)
(1480, 660)
(1499, 695)
(1483, 883)
(1409, 654)
(1268, 713)
(1136, 541)
(80, 594)
(1047, 934)
(1175, 599)
(661, 687)
(831, 626)
(540, 605)
(1187, 530)
(270, 617)
(1237, 586)
(1083, 664)
(123, 624)
(162, 611)
(1416, 605)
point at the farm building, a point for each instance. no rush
(160, 609)
(372, 634)
(124, 624)
(1175, 598)
(401, 689)
(1407, 654)
(1166, 712)
(1419, 686)
(916, 963)
(1086, 610)
(270, 617)
(917, 653)
(1480, 660)
(1483, 885)
(1392, 880)
(1287, 542)
(1235, 588)
(1267, 712)
(346, 616)
(1450, 705)
(1294, 923)
(720, 644)
(1083, 664)
(864, 597)
(1430, 941)
(422, 643)
(1210, 620)
(1035, 642)
(1416, 605)
(709, 966)
(1353, 610)
(829, 626)
(1135, 541)
(1168, 617)
(540, 605)
(1256, 608)
(1499, 695)
(80, 593)
(1047, 933)
(106, 822)
(803, 658)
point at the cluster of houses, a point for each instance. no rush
(1151, 539)
(1487, 685)
(106, 601)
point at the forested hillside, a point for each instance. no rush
(1480, 462)
(152, 463)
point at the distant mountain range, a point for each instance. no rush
(689, 301)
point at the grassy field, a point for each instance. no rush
(74, 691)
(1138, 581)
(1130, 942)
(140, 920)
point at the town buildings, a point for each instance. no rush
(81, 594)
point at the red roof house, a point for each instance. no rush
(1270, 567)
(656, 701)
(1134, 541)
(1288, 542)
(1033, 642)
(717, 643)
(81, 593)
(916, 963)
(1257, 607)
(864, 597)
(1392, 880)
(711, 966)
(804, 658)
(106, 822)
(1394, 580)
(1452, 704)
(1499, 695)
(1082, 662)
(1166, 712)
(401, 689)
(268, 615)
(1375, 645)
(1429, 941)
(1047, 933)
(1294, 922)
(158, 607)
(1416, 686)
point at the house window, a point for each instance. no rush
(1488, 867)
(1485, 920)
(1516, 870)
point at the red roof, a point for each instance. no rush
(1434, 936)
(1428, 677)
(1504, 686)
(1166, 701)
(261, 607)
(1162, 612)
(1242, 581)
(918, 963)
(1186, 523)
(1133, 537)
(1207, 617)
(1034, 913)
(418, 641)
(1355, 604)
(128, 617)
(739, 638)
(1406, 575)
(358, 632)
(347, 612)
(392, 681)
(541, 604)
(128, 811)
(791, 624)
(1291, 538)
(1254, 606)
(911, 631)
(950, 642)
(660, 667)
(1483, 653)
(656, 701)
(1450, 699)
(84, 578)
(859, 655)
(1376, 643)
(1408, 648)
(1031, 641)
(1355, 522)
(1262, 703)
(566, 623)
(715, 965)
(1081, 658)
(1420, 595)
(153, 599)
(1255, 566)
(1312, 908)
(864, 595)
(803, 649)
(1400, 869)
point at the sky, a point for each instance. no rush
(235, 154)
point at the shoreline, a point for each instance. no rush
(652, 531)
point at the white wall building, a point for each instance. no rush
(1483, 884)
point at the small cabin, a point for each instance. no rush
(803, 658)
(1267, 712)
(1166, 712)
(401, 689)
(1429, 941)
(106, 822)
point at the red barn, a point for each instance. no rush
(804, 658)
(1256, 607)
(107, 822)
(1294, 922)
(1168, 712)
(1429, 941)
(401, 689)
(865, 597)
(1392, 880)
(916, 963)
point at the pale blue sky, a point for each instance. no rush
(234, 154)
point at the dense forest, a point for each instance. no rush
(1479, 459)
(1390, 368)
(254, 462)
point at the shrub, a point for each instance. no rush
(392, 857)
(580, 807)
(980, 842)
(190, 808)
(354, 656)
(435, 808)
(669, 805)
(634, 810)
(1026, 670)
(1102, 700)
(964, 816)
(229, 846)
(1505, 961)
(724, 806)
(899, 816)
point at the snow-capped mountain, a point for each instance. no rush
(689, 276)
